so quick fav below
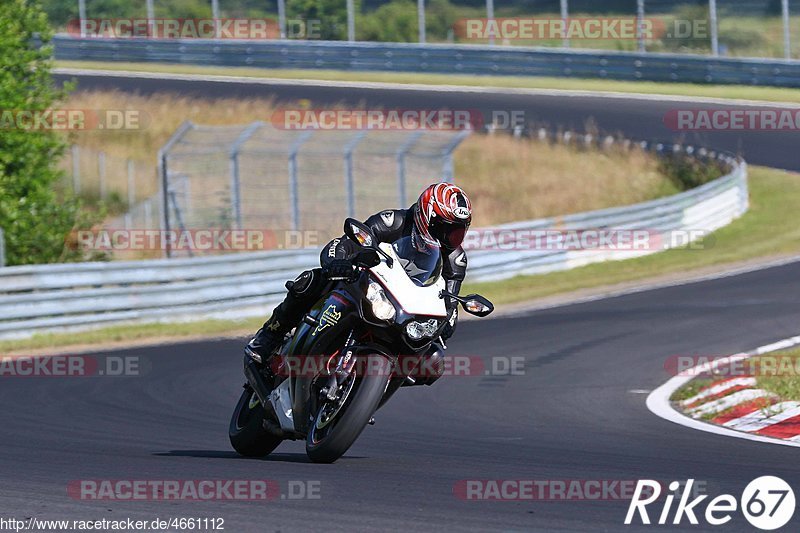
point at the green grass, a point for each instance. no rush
(690, 389)
(767, 229)
(785, 382)
(767, 94)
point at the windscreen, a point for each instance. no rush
(423, 263)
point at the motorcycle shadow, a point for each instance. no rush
(287, 457)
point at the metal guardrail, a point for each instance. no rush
(437, 58)
(90, 294)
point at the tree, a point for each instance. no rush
(35, 220)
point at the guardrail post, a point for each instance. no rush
(401, 166)
(348, 172)
(294, 198)
(564, 17)
(163, 173)
(2, 248)
(236, 198)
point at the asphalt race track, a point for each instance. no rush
(576, 413)
(637, 119)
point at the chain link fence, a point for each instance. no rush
(742, 28)
(258, 177)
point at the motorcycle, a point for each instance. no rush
(355, 337)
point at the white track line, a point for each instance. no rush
(423, 87)
(658, 401)
(719, 388)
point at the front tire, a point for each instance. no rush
(329, 445)
(246, 432)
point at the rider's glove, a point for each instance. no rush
(339, 270)
(450, 327)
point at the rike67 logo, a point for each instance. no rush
(767, 503)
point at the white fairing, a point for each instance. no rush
(414, 300)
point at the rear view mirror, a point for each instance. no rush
(477, 305)
(359, 233)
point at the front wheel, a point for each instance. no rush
(246, 432)
(338, 423)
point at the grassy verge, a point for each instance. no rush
(767, 229)
(690, 389)
(780, 374)
(767, 94)
(133, 333)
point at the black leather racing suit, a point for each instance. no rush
(387, 226)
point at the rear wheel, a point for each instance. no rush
(338, 423)
(246, 432)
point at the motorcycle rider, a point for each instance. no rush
(440, 218)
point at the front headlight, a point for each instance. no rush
(382, 307)
(418, 330)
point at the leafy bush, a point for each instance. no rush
(36, 222)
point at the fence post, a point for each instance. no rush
(294, 198)
(101, 173)
(151, 15)
(348, 172)
(787, 36)
(82, 16)
(215, 16)
(76, 170)
(712, 15)
(236, 195)
(282, 18)
(447, 155)
(640, 24)
(490, 17)
(163, 173)
(401, 166)
(564, 17)
(131, 195)
(421, 20)
(351, 21)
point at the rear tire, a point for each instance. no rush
(246, 432)
(359, 407)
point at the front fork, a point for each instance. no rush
(344, 367)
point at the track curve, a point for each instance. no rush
(576, 413)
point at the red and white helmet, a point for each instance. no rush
(443, 215)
